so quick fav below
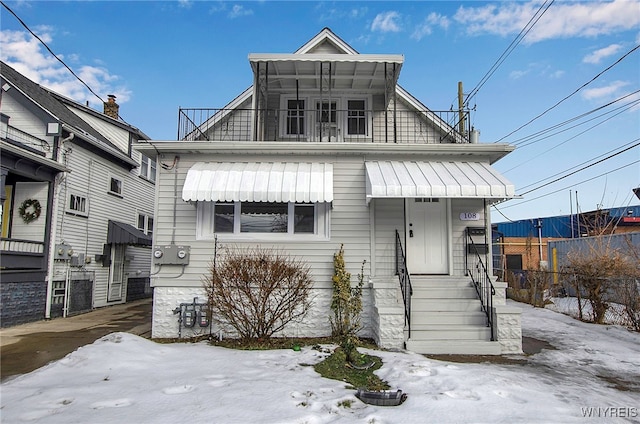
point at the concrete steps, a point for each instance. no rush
(446, 318)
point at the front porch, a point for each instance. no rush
(445, 314)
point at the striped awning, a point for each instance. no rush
(259, 182)
(454, 179)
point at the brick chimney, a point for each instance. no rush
(111, 107)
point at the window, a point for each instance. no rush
(148, 168)
(145, 224)
(326, 112)
(77, 205)
(356, 117)
(295, 117)
(262, 219)
(115, 186)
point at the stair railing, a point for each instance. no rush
(481, 281)
(405, 281)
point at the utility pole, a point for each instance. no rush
(461, 122)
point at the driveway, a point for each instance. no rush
(27, 347)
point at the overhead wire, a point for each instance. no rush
(516, 41)
(570, 95)
(575, 184)
(55, 55)
(583, 168)
(529, 158)
(527, 140)
(578, 165)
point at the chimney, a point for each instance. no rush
(111, 107)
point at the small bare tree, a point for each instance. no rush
(596, 269)
(258, 291)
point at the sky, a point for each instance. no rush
(564, 91)
(124, 378)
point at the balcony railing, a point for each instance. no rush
(21, 254)
(311, 125)
(14, 134)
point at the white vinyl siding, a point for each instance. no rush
(90, 176)
(348, 224)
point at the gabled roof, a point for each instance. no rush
(324, 41)
(56, 106)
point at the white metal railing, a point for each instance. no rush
(21, 246)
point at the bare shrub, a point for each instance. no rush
(595, 271)
(258, 291)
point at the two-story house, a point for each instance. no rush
(77, 205)
(326, 149)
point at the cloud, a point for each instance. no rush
(386, 22)
(238, 11)
(331, 14)
(600, 54)
(426, 27)
(26, 55)
(185, 4)
(562, 20)
(605, 91)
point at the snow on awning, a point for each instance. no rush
(455, 179)
(259, 182)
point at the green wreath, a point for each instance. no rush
(30, 210)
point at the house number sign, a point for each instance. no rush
(469, 216)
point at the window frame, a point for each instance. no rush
(72, 211)
(120, 192)
(303, 118)
(148, 223)
(205, 223)
(150, 168)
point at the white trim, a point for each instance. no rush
(205, 229)
(326, 57)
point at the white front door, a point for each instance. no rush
(116, 274)
(427, 236)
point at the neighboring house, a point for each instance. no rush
(523, 244)
(77, 205)
(323, 150)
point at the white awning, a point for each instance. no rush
(259, 182)
(455, 179)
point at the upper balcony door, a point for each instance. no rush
(326, 122)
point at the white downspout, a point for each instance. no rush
(54, 227)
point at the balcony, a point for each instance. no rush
(21, 254)
(326, 125)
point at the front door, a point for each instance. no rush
(116, 277)
(427, 236)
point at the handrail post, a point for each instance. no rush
(482, 283)
(405, 281)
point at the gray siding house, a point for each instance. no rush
(323, 150)
(77, 205)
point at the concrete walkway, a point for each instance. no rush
(27, 347)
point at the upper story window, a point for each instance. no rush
(295, 117)
(77, 204)
(145, 223)
(356, 117)
(115, 186)
(148, 168)
(266, 220)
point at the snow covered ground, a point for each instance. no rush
(593, 375)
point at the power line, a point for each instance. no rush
(525, 30)
(52, 53)
(564, 188)
(573, 137)
(578, 165)
(572, 94)
(521, 141)
(583, 168)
